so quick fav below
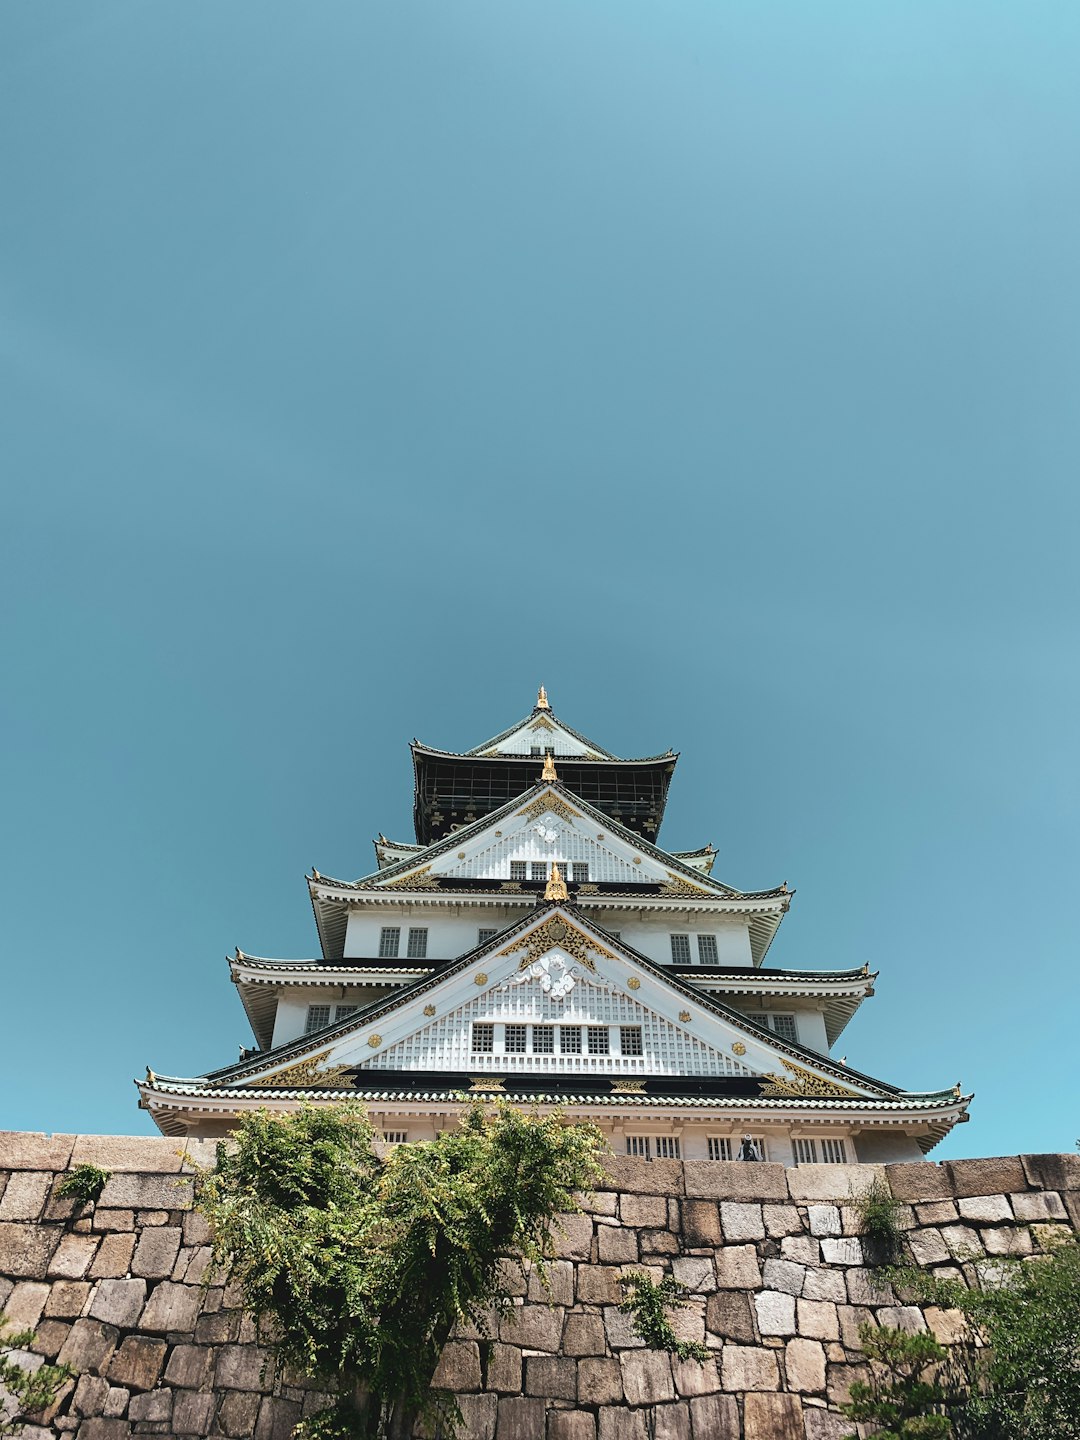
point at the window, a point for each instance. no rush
(630, 1040)
(570, 1039)
(535, 750)
(667, 1147)
(549, 749)
(805, 1151)
(538, 870)
(483, 1038)
(706, 949)
(543, 1039)
(395, 1137)
(833, 1152)
(751, 1142)
(599, 1041)
(580, 872)
(517, 870)
(483, 936)
(638, 1145)
(389, 942)
(680, 949)
(784, 1026)
(344, 1011)
(515, 1039)
(719, 1147)
(317, 1017)
(417, 947)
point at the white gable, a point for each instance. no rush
(545, 733)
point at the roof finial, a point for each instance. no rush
(549, 772)
(542, 700)
(556, 886)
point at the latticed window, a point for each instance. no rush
(805, 1151)
(543, 1039)
(483, 1038)
(599, 1042)
(395, 1137)
(344, 1011)
(483, 936)
(518, 870)
(417, 947)
(389, 942)
(667, 1147)
(538, 870)
(580, 872)
(833, 1152)
(570, 1039)
(706, 949)
(317, 1017)
(680, 949)
(535, 750)
(784, 1026)
(638, 1146)
(516, 1036)
(719, 1147)
(630, 1040)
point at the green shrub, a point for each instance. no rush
(30, 1391)
(85, 1183)
(649, 1303)
(903, 1397)
(878, 1209)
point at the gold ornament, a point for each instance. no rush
(374, 1041)
(305, 1072)
(429, 1010)
(542, 700)
(557, 932)
(418, 880)
(478, 1084)
(556, 885)
(678, 885)
(684, 1016)
(480, 978)
(549, 805)
(738, 1048)
(633, 983)
(628, 1087)
(549, 773)
(803, 1083)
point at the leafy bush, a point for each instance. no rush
(649, 1303)
(903, 1397)
(883, 1240)
(85, 1183)
(24, 1393)
(366, 1265)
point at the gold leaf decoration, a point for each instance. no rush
(633, 983)
(480, 1084)
(417, 880)
(429, 1010)
(541, 723)
(374, 1041)
(628, 1087)
(684, 1016)
(305, 1072)
(678, 885)
(480, 978)
(802, 1083)
(567, 937)
(738, 1048)
(549, 805)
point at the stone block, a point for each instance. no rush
(278, 1418)
(824, 1219)
(196, 1229)
(696, 1272)
(927, 1247)
(714, 1417)
(825, 1285)
(617, 1246)
(147, 1192)
(217, 1328)
(746, 1367)
(985, 1209)
(802, 1249)
(1007, 1242)
(864, 1288)
(741, 1221)
(156, 1252)
(643, 1177)
(996, 1176)
(848, 1251)
(584, 1335)
(25, 1304)
(67, 1298)
(646, 1376)
(504, 1369)
(127, 1152)
(113, 1258)
(851, 1318)
(963, 1241)
(138, 1362)
(773, 1417)
(825, 1425)
(25, 1250)
(118, 1302)
(238, 1413)
(478, 1415)
(729, 1314)
(552, 1376)
(701, 1222)
(619, 1329)
(831, 1182)
(1045, 1172)
(840, 1379)
(1037, 1206)
(659, 1243)
(688, 1322)
(560, 1284)
(572, 1236)
(25, 1194)
(671, 1422)
(936, 1212)
(571, 1425)
(948, 1327)
(71, 1258)
(902, 1317)
(606, 1202)
(783, 1275)
(244, 1367)
(190, 1366)
(154, 1406)
(599, 1381)
(520, 1419)
(621, 1424)
(804, 1366)
(695, 1377)
(49, 1338)
(532, 1327)
(458, 1367)
(172, 1307)
(193, 1413)
(919, 1180)
(817, 1319)
(89, 1346)
(643, 1211)
(737, 1266)
(598, 1285)
(89, 1396)
(736, 1180)
(101, 1428)
(775, 1312)
(29, 1150)
(112, 1219)
(781, 1220)
(193, 1266)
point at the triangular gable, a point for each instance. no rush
(558, 969)
(541, 731)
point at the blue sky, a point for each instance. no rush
(363, 366)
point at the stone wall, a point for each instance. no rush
(771, 1257)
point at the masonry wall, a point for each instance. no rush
(771, 1257)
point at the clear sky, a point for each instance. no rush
(364, 365)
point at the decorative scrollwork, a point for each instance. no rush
(549, 805)
(679, 885)
(417, 880)
(628, 1087)
(482, 1084)
(556, 932)
(306, 1072)
(803, 1083)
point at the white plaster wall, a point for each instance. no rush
(809, 1020)
(651, 934)
(290, 1019)
(451, 932)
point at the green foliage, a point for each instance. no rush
(1023, 1365)
(28, 1392)
(900, 1399)
(84, 1183)
(649, 1303)
(366, 1265)
(878, 1209)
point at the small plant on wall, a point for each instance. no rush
(84, 1184)
(24, 1392)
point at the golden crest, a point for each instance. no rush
(374, 1041)
(429, 1010)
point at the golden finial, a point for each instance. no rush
(556, 886)
(549, 772)
(542, 700)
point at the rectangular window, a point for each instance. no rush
(805, 1151)
(317, 1017)
(549, 749)
(389, 942)
(517, 870)
(784, 1026)
(538, 870)
(483, 1038)
(515, 1039)
(638, 1146)
(667, 1147)
(344, 1011)
(543, 1039)
(599, 1040)
(570, 1039)
(706, 949)
(535, 750)
(833, 1152)
(581, 872)
(719, 1147)
(630, 1040)
(483, 936)
(680, 949)
(395, 1137)
(417, 947)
